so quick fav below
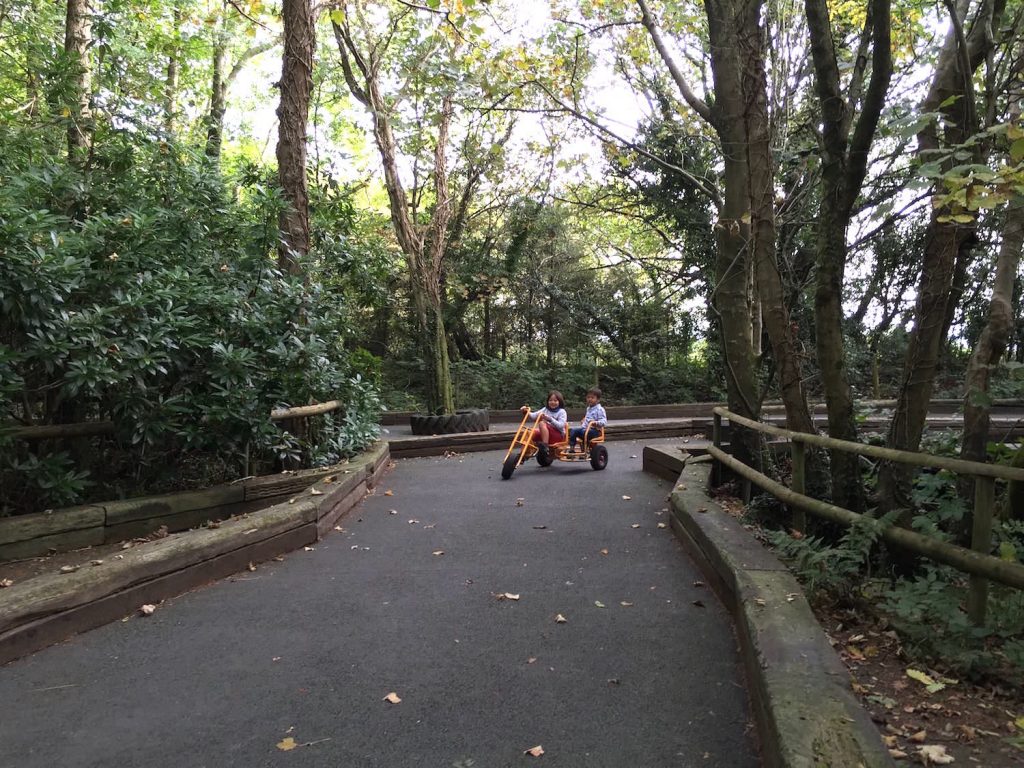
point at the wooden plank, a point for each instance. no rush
(58, 626)
(287, 483)
(27, 527)
(57, 542)
(172, 503)
(182, 521)
(60, 431)
(52, 593)
(331, 515)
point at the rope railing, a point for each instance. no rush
(976, 561)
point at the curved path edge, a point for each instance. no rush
(806, 714)
(51, 608)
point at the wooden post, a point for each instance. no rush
(716, 439)
(981, 542)
(798, 452)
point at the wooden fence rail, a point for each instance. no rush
(976, 561)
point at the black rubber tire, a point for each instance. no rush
(544, 457)
(474, 420)
(599, 457)
(510, 465)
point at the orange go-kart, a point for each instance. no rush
(593, 450)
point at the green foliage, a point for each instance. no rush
(150, 297)
(927, 612)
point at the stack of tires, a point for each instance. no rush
(472, 420)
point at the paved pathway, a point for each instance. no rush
(307, 648)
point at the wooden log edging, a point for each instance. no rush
(50, 608)
(966, 560)
(805, 712)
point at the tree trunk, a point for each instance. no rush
(994, 337)
(770, 292)
(951, 93)
(296, 87)
(488, 345)
(171, 80)
(77, 39)
(843, 171)
(218, 96)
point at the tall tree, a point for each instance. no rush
(843, 168)
(950, 236)
(296, 86)
(77, 43)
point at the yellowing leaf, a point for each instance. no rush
(934, 754)
(338, 16)
(534, 751)
(287, 744)
(393, 698)
(933, 685)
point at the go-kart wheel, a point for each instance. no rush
(599, 457)
(510, 465)
(544, 457)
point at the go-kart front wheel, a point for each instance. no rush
(511, 462)
(544, 457)
(599, 457)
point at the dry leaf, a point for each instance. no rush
(438, 552)
(604, 551)
(934, 754)
(309, 549)
(69, 568)
(291, 501)
(330, 478)
(919, 737)
(635, 525)
(393, 698)
(252, 566)
(890, 741)
(702, 509)
(626, 604)
(413, 522)
(760, 601)
(519, 502)
(662, 525)
(147, 609)
(531, 660)
(897, 754)
(6, 583)
(287, 744)
(392, 511)
(599, 604)
(627, 498)
(389, 492)
(699, 603)
(560, 619)
(507, 596)
(339, 529)
(535, 751)
(540, 527)
(698, 583)
(315, 492)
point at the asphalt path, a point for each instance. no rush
(405, 599)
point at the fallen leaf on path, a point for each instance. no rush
(315, 492)
(389, 492)
(438, 552)
(662, 525)
(413, 522)
(147, 609)
(626, 604)
(6, 583)
(330, 478)
(392, 511)
(702, 509)
(507, 596)
(897, 754)
(635, 525)
(599, 604)
(627, 498)
(531, 660)
(534, 751)
(95, 562)
(519, 502)
(393, 698)
(309, 549)
(560, 619)
(252, 566)
(920, 737)
(934, 754)
(699, 603)
(287, 744)
(291, 501)
(633, 456)
(604, 551)
(339, 528)
(698, 583)
(539, 527)
(932, 685)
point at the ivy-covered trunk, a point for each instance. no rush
(296, 87)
